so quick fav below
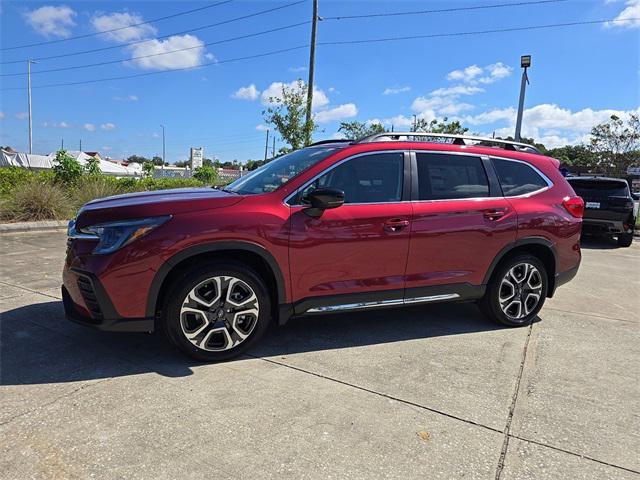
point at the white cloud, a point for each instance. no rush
(548, 123)
(456, 91)
(108, 126)
(474, 74)
(50, 21)
(246, 93)
(22, 115)
(89, 127)
(274, 92)
(111, 21)
(127, 98)
(629, 17)
(298, 69)
(348, 110)
(56, 125)
(395, 90)
(262, 128)
(1, 115)
(107, 148)
(161, 60)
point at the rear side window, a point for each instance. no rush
(517, 178)
(604, 188)
(442, 176)
(374, 178)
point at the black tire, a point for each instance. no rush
(625, 239)
(175, 321)
(490, 304)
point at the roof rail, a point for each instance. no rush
(335, 140)
(456, 140)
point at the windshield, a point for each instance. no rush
(279, 171)
(604, 188)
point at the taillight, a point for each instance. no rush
(574, 205)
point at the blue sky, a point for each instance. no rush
(580, 74)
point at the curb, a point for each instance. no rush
(21, 227)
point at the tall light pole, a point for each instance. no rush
(163, 149)
(525, 62)
(312, 61)
(266, 147)
(29, 62)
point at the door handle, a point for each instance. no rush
(494, 214)
(395, 224)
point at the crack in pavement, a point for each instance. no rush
(29, 290)
(595, 315)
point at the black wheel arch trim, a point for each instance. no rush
(210, 247)
(523, 242)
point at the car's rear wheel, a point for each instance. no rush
(216, 311)
(625, 239)
(517, 291)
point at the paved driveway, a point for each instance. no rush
(429, 392)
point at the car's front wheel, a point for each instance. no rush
(216, 311)
(517, 291)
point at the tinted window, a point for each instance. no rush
(605, 188)
(517, 178)
(442, 176)
(365, 179)
(279, 171)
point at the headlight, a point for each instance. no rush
(115, 235)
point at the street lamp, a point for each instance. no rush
(163, 150)
(525, 62)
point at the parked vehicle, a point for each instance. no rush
(390, 220)
(609, 207)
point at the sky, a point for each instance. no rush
(213, 91)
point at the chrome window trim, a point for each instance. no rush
(382, 303)
(340, 162)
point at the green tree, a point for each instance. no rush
(158, 161)
(578, 155)
(287, 115)
(616, 143)
(355, 130)
(67, 170)
(439, 126)
(206, 174)
(92, 167)
(137, 159)
(253, 164)
(148, 168)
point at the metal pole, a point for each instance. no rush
(80, 144)
(523, 87)
(163, 150)
(29, 62)
(273, 149)
(312, 58)
(266, 147)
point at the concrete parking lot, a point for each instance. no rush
(429, 392)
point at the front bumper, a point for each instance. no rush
(94, 308)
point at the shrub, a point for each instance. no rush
(67, 170)
(35, 200)
(11, 177)
(94, 187)
(206, 174)
(148, 168)
(92, 166)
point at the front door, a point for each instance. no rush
(460, 223)
(353, 256)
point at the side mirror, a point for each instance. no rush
(322, 199)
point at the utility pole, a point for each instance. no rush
(415, 123)
(29, 62)
(266, 146)
(273, 149)
(80, 144)
(62, 144)
(163, 149)
(525, 62)
(312, 60)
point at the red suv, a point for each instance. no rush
(389, 220)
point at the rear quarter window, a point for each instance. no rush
(604, 188)
(517, 178)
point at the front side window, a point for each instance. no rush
(375, 178)
(443, 177)
(279, 171)
(517, 178)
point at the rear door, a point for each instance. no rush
(356, 253)
(460, 223)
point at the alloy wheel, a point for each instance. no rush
(520, 291)
(219, 313)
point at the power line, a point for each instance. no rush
(340, 42)
(87, 35)
(146, 74)
(441, 10)
(137, 42)
(110, 62)
(476, 32)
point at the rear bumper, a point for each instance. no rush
(98, 311)
(602, 226)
